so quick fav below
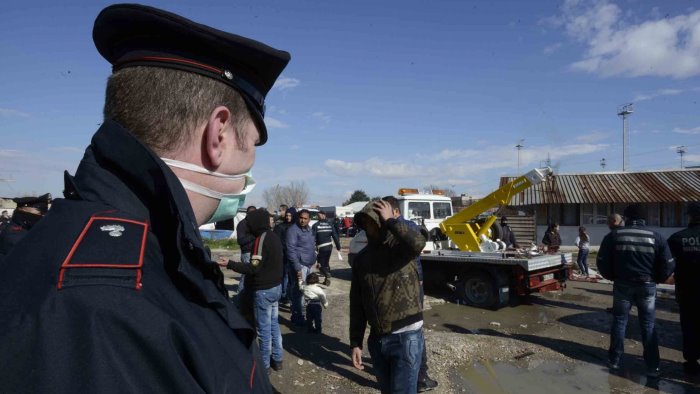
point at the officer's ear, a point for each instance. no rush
(217, 137)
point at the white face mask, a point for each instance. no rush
(228, 203)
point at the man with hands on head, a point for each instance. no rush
(385, 293)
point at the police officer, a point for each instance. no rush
(113, 291)
(29, 211)
(685, 247)
(636, 258)
(326, 235)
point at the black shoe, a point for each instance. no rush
(613, 367)
(691, 368)
(654, 373)
(426, 384)
(276, 365)
(327, 282)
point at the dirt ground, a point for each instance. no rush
(555, 342)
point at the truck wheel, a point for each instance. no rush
(478, 290)
(437, 235)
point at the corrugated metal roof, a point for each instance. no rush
(613, 187)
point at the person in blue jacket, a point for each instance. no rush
(113, 291)
(301, 252)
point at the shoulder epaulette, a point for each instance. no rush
(108, 251)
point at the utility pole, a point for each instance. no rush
(602, 163)
(518, 147)
(681, 151)
(625, 111)
(548, 162)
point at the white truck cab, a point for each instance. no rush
(424, 209)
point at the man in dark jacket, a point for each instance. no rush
(325, 235)
(685, 247)
(281, 231)
(113, 291)
(29, 211)
(244, 237)
(385, 292)
(508, 236)
(263, 286)
(636, 259)
(301, 251)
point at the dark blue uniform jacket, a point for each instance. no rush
(633, 254)
(113, 292)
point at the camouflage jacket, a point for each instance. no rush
(385, 291)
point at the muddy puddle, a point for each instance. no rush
(537, 376)
(523, 319)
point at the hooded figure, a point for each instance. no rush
(263, 277)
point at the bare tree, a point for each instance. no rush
(295, 194)
(449, 192)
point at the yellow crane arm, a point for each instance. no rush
(460, 228)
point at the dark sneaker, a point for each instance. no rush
(691, 368)
(327, 282)
(654, 373)
(426, 384)
(276, 365)
(614, 367)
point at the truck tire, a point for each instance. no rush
(478, 289)
(437, 235)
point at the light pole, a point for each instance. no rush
(625, 111)
(518, 147)
(602, 163)
(681, 151)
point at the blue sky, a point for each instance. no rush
(387, 94)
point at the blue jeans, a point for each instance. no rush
(314, 316)
(396, 360)
(267, 323)
(643, 296)
(582, 260)
(245, 258)
(297, 295)
(285, 279)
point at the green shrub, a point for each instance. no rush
(221, 243)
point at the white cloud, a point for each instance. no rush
(668, 47)
(551, 48)
(440, 168)
(375, 167)
(691, 159)
(694, 130)
(67, 149)
(593, 136)
(658, 93)
(9, 112)
(275, 123)
(284, 83)
(12, 153)
(322, 117)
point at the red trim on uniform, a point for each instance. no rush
(252, 374)
(67, 262)
(176, 60)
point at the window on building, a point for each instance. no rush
(653, 214)
(673, 215)
(588, 215)
(418, 209)
(541, 215)
(569, 215)
(441, 210)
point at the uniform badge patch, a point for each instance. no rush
(115, 230)
(109, 251)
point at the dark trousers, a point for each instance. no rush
(314, 316)
(690, 327)
(323, 258)
(643, 296)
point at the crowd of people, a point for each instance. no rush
(114, 290)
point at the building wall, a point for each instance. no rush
(596, 232)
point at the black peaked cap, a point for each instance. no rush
(128, 35)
